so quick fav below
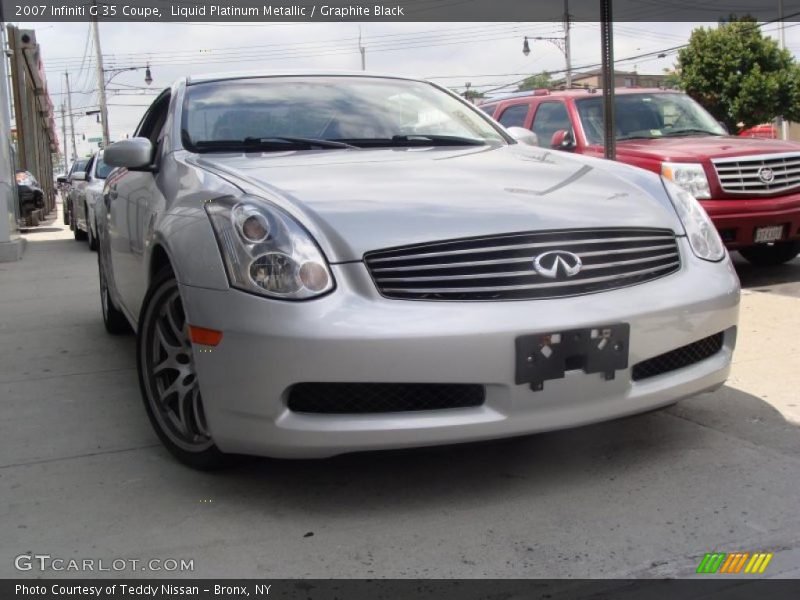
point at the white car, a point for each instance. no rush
(83, 199)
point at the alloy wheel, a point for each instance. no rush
(172, 387)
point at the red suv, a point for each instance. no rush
(750, 187)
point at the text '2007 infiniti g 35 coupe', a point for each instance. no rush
(325, 263)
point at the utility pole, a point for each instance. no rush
(64, 137)
(101, 82)
(363, 52)
(71, 121)
(784, 125)
(567, 53)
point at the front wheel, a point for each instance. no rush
(771, 255)
(168, 377)
(113, 318)
(90, 237)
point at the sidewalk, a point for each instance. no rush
(82, 474)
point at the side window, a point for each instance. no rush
(549, 118)
(488, 108)
(514, 116)
(152, 124)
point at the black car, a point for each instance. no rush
(30, 195)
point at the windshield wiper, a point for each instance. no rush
(637, 137)
(416, 140)
(690, 131)
(269, 144)
(319, 143)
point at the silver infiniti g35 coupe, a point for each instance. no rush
(325, 263)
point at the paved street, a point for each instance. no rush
(82, 475)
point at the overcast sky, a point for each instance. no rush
(487, 55)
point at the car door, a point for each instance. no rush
(132, 201)
(550, 116)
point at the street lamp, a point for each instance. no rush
(148, 78)
(562, 43)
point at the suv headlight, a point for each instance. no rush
(689, 176)
(703, 236)
(266, 251)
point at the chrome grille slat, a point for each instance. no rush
(526, 273)
(533, 286)
(509, 247)
(741, 174)
(501, 267)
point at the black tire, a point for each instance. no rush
(771, 255)
(90, 236)
(113, 318)
(79, 234)
(168, 380)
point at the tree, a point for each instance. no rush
(740, 76)
(534, 82)
(473, 95)
(672, 79)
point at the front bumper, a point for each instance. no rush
(738, 218)
(355, 335)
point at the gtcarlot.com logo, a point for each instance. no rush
(735, 563)
(46, 562)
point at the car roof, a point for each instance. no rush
(204, 78)
(577, 93)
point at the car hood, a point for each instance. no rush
(354, 201)
(698, 148)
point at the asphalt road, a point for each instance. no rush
(83, 476)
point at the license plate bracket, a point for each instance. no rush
(771, 233)
(542, 357)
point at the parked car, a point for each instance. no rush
(750, 187)
(31, 197)
(73, 180)
(318, 264)
(766, 131)
(84, 199)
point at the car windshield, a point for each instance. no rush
(102, 170)
(647, 116)
(278, 113)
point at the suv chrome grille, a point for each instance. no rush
(502, 267)
(763, 174)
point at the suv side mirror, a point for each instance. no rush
(78, 176)
(61, 179)
(523, 136)
(135, 153)
(562, 140)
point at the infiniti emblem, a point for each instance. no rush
(557, 262)
(766, 174)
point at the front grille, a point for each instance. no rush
(678, 358)
(354, 398)
(750, 174)
(502, 267)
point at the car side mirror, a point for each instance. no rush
(562, 140)
(61, 179)
(78, 176)
(134, 153)
(523, 136)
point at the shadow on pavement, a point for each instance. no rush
(602, 455)
(751, 276)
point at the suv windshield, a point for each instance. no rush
(279, 113)
(647, 116)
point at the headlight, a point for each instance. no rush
(266, 251)
(689, 176)
(703, 236)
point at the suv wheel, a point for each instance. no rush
(168, 378)
(772, 255)
(113, 318)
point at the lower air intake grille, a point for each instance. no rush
(520, 266)
(354, 398)
(678, 358)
